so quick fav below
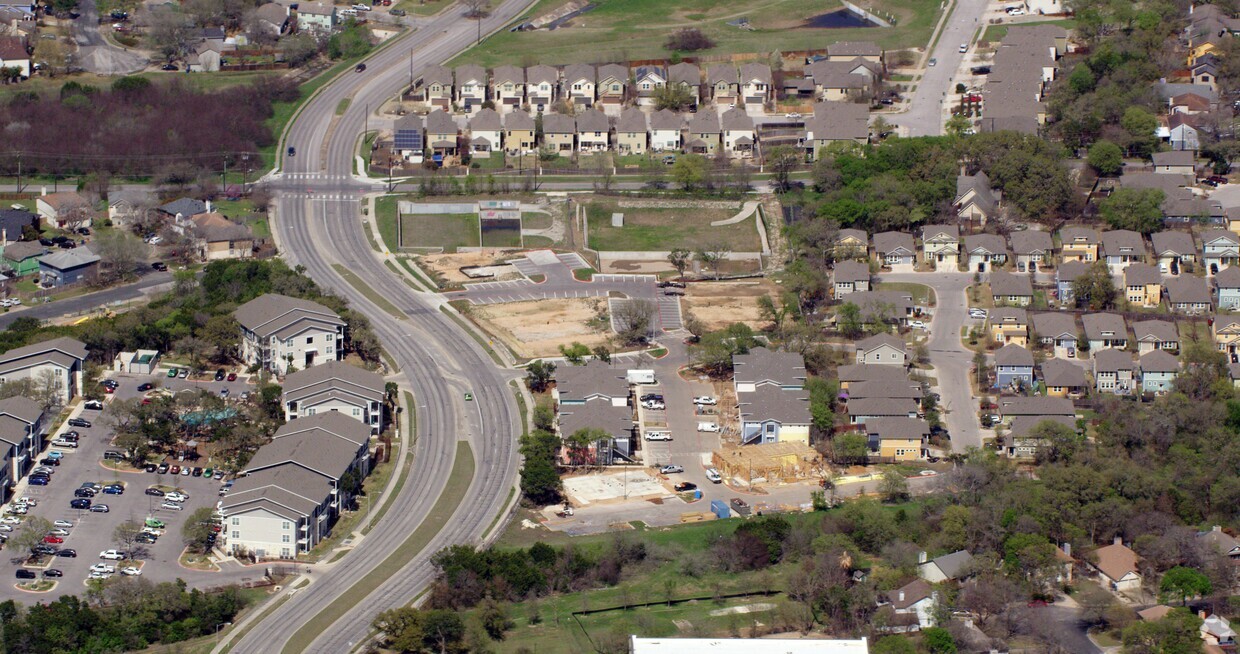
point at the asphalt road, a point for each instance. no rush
(150, 281)
(925, 114)
(94, 53)
(440, 363)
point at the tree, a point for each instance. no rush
(1106, 158)
(494, 619)
(580, 442)
(1139, 210)
(1094, 288)
(848, 320)
(1183, 583)
(673, 97)
(413, 630)
(352, 41)
(688, 39)
(1056, 441)
(634, 320)
(713, 254)
(849, 448)
(689, 171)
(476, 9)
(893, 487)
(30, 535)
(169, 34)
(893, 645)
(958, 125)
(540, 481)
(1178, 632)
(119, 255)
(575, 353)
(539, 374)
(198, 528)
(783, 160)
(125, 534)
(299, 48)
(197, 349)
(1141, 126)
(602, 353)
(938, 641)
(679, 258)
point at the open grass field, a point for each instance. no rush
(651, 229)
(636, 29)
(447, 231)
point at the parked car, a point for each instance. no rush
(163, 467)
(78, 422)
(132, 572)
(917, 324)
(154, 491)
(685, 486)
(397, 12)
(183, 374)
(53, 540)
(142, 388)
(220, 375)
(172, 506)
(94, 405)
(160, 266)
(112, 555)
(67, 554)
(53, 573)
(79, 503)
(83, 492)
(113, 455)
(23, 573)
(708, 427)
(174, 470)
(114, 490)
(705, 399)
(714, 476)
(62, 523)
(99, 508)
(658, 436)
(671, 469)
(103, 568)
(197, 472)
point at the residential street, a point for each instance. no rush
(150, 282)
(925, 114)
(94, 53)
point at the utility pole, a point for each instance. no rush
(411, 71)
(224, 177)
(19, 173)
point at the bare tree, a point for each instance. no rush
(119, 254)
(477, 8)
(169, 34)
(126, 534)
(75, 215)
(679, 258)
(713, 254)
(634, 320)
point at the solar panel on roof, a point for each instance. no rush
(409, 139)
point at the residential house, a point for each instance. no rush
(579, 85)
(295, 487)
(1065, 276)
(849, 50)
(1185, 134)
(915, 603)
(23, 257)
(1189, 103)
(834, 125)
(216, 237)
(593, 131)
(1233, 219)
(704, 133)
(1121, 248)
(897, 439)
(665, 128)
(273, 18)
(975, 200)
(408, 140)
(770, 414)
(688, 77)
(985, 252)
(763, 367)
(864, 410)
(895, 249)
(837, 81)
(519, 133)
(1117, 566)
(1156, 335)
(317, 17)
(1216, 631)
(613, 83)
(508, 87)
(620, 432)
(282, 334)
(437, 86)
(1175, 162)
(1013, 407)
(1020, 442)
(486, 133)
(1226, 332)
(883, 349)
(1143, 285)
(22, 428)
(1221, 542)
(940, 245)
(1188, 295)
(1010, 289)
(1173, 249)
(898, 388)
(1057, 330)
(1063, 378)
(1114, 372)
(542, 85)
(757, 86)
(1013, 368)
(648, 80)
(471, 87)
(1009, 326)
(1025, 62)
(1033, 249)
(442, 133)
(860, 373)
(1079, 244)
(206, 58)
(181, 210)
(892, 307)
(339, 387)
(631, 132)
(1105, 331)
(58, 363)
(595, 380)
(851, 244)
(65, 267)
(14, 223)
(738, 134)
(1158, 371)
(66, 209)
(724, 84)
(850, 277)
(13, 53)
(1220, 249)
(949, 566)
(559, 133)
(1227, 288)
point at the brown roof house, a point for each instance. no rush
(559, 133)
(724, 84)
(688, 77)
(738, 134)
(895, 248)
(1011, 289)
(1033, 249)
(508, 87)
(216, 237)
(542, 87)
(613, 83)
(471, 87)
(835, 125)
(914, 601)
(975, 200)
(848, 50)
(436, 86)
(1117, 566)
(65, 210)
(756, 84)
(704, 133)
(593, 131)
(442, 132)
(632, 134)
(579, 84)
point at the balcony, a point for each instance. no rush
(304, 528)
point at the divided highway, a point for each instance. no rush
(440, 361)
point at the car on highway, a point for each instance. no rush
(671, 469)
(708, 427)
(714, 476)
(705, 399)
(359, 68)
(292, 150)
(658, 436)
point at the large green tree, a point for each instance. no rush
(1139, 210)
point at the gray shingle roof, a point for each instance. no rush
(879, 340)
(945, 231)
(764, 365)
(1155, 330)
(1172, 242)
(269, 314)
(62, 350)
(617, 71)
(437, 73)
(554, 123)
(1031, 241)
(851, 271)
(863, 372)
(1122, 241)
(540, 73)
(985, 244)
(574, 73)
(684, 73)
(1104, 325)
(1068, 272)
(1013, 355)
(471, 73)
(839, 121)
(885, 242)
(631, 120)
(592, 120)
(892, 389)
(1174, 158)
(1112, 360)
(185, 207)
(519, 120)
(953, 565)
(1057, 372)
(882, 407)
(735, 119)
(1054, 325)
(1159, 361)
(508, 73)
(595, 378)
(721, 73)
(1141, 274)
(1036, 406)
(666, 119)
(899, 428)
(326, 444)
(617, 421)
(1002, 315)
(1188, 290)
(22, 250)
(854, 49)
(1005, 284)
(68, 259)
(486, 120)
(705, 122)
(1219, 237)
(755, 72)
(1022, 425)
(440, 122)
(787, 407)
(1070, 235)
(334, 378)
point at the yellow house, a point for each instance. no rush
(1009, 326)
(855, 244)
(1079, 244)
(1226, 330)
(1198, 49)
(1063, 378)
(1233, 220)
(1143, 285)
(898, 439)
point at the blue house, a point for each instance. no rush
(1013, 367)
(1227, 287)
(1065, 275)
(1158, 371)
(68, 267)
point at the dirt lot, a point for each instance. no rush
(719, 304)
(539, 328)
(449, 265)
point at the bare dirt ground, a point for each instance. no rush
(719, 304)
(539, 328)
(449, 265)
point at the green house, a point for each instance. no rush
(23, 257)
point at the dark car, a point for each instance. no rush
(154, 491)
(232, 376)
(69, 554)
(23, 573)
(673, 291)
(160, 266)
(114, 490)
(78, 422)
(39, 481)
(113, 455)
(197, 472)
(44, 549)
(53, 572)
(292, 151)
(1217, 179)
(46, 242)
(671, 285)
(145, 387)
(359, 68)
(685, 486)
(49, 462)
(169, 67)
(144, 537)
(84, 492)
(220, 375)
(163, 467)
(150, 467)
(68, 245)
(84, 231)
(79, 503)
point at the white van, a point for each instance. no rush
(708, 426)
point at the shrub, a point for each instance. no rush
(689, 39)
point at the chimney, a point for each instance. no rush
(1067, 549)
(42, 191)
(208, 206)
(901, 596)
(1119, 540)
(1216, 528)
(921, 557)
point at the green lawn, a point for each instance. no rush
(620, 30)
(260, 228)
(385, 216)
(997, 32)
(921, 293)
(423, 7)
(663, 229)
(342, 107)
(234, 209)
(370, 293)
(447, 231)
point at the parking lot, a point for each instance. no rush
(129, 384)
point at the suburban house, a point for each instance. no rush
(1020, 444)
(949, 566)
(408, 140)
(1216, 632)
(724, 84)
(738, 134)
(1173, 249)
(1065, 276)
(615, 421)
(763, 367)
(613, 83)
(1158, 371)
(1009, 326)
(1013, 368)
(893, 307)
(688, 77)
(593, 131)
(442, 133)
(1105, 331)
(1057, 330)
(1188, 295)
(756, 84)
(316, 17)
(59, 362)
(863, 410)
(1079, 244)
(1012, 408)
(975, 200)
(1033, 249)
(486, 133)
(282, 334)
(1011, 289)
(13, 53)
(1226, 331)
(1156, 335)
(883, 349)
(834, 124)
(339, 387)
(23, 257)
(437, 90)
(1220, 249)
(14, 224)
(542, 84)
(912, 605)
(519, 133)
(508, 87)
(850, 277)
(895, 248)
(665, 128)
(1184, 134)
(902, 388)
(595, 380)
(65, 267)
(648, 80)
(851, 244)
(771, 414)
(66, 209)
(897, 439)
(834, 81)
(216, 237)
(294, 488)
(849, 50)
(21, 439)
(1143, 285)
(1063, 378)
(559, 133)
(1221, 542)
(631, 132)
(1175, 162)
(704, 133)
(985, 252)
(1114, 372)
(1122, 247)
(1227, 288)
(857, 374)
(940, 245)
(1117, 566)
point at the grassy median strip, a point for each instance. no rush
(451, 497)
(369, 292)
(404, 472)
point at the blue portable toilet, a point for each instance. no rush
(720, 509)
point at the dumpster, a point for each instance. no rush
(720, 509)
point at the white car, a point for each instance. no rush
(6, 528)
(28, 501)
(964, 47)
(705, 399)
(658, 436)
(708, 426)
(793, 116)
(977, 313)
(1015, 11)
(18, 509)
(153, 531)
(10, 520)
(916, 324)
(172, 506)
(112, 555)
(654, 406)
(174, 496)
(156, 240)
(714, 476)
(132, 572)
(62, 523)
(99, 575)
(17, 302)
(103, 568)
